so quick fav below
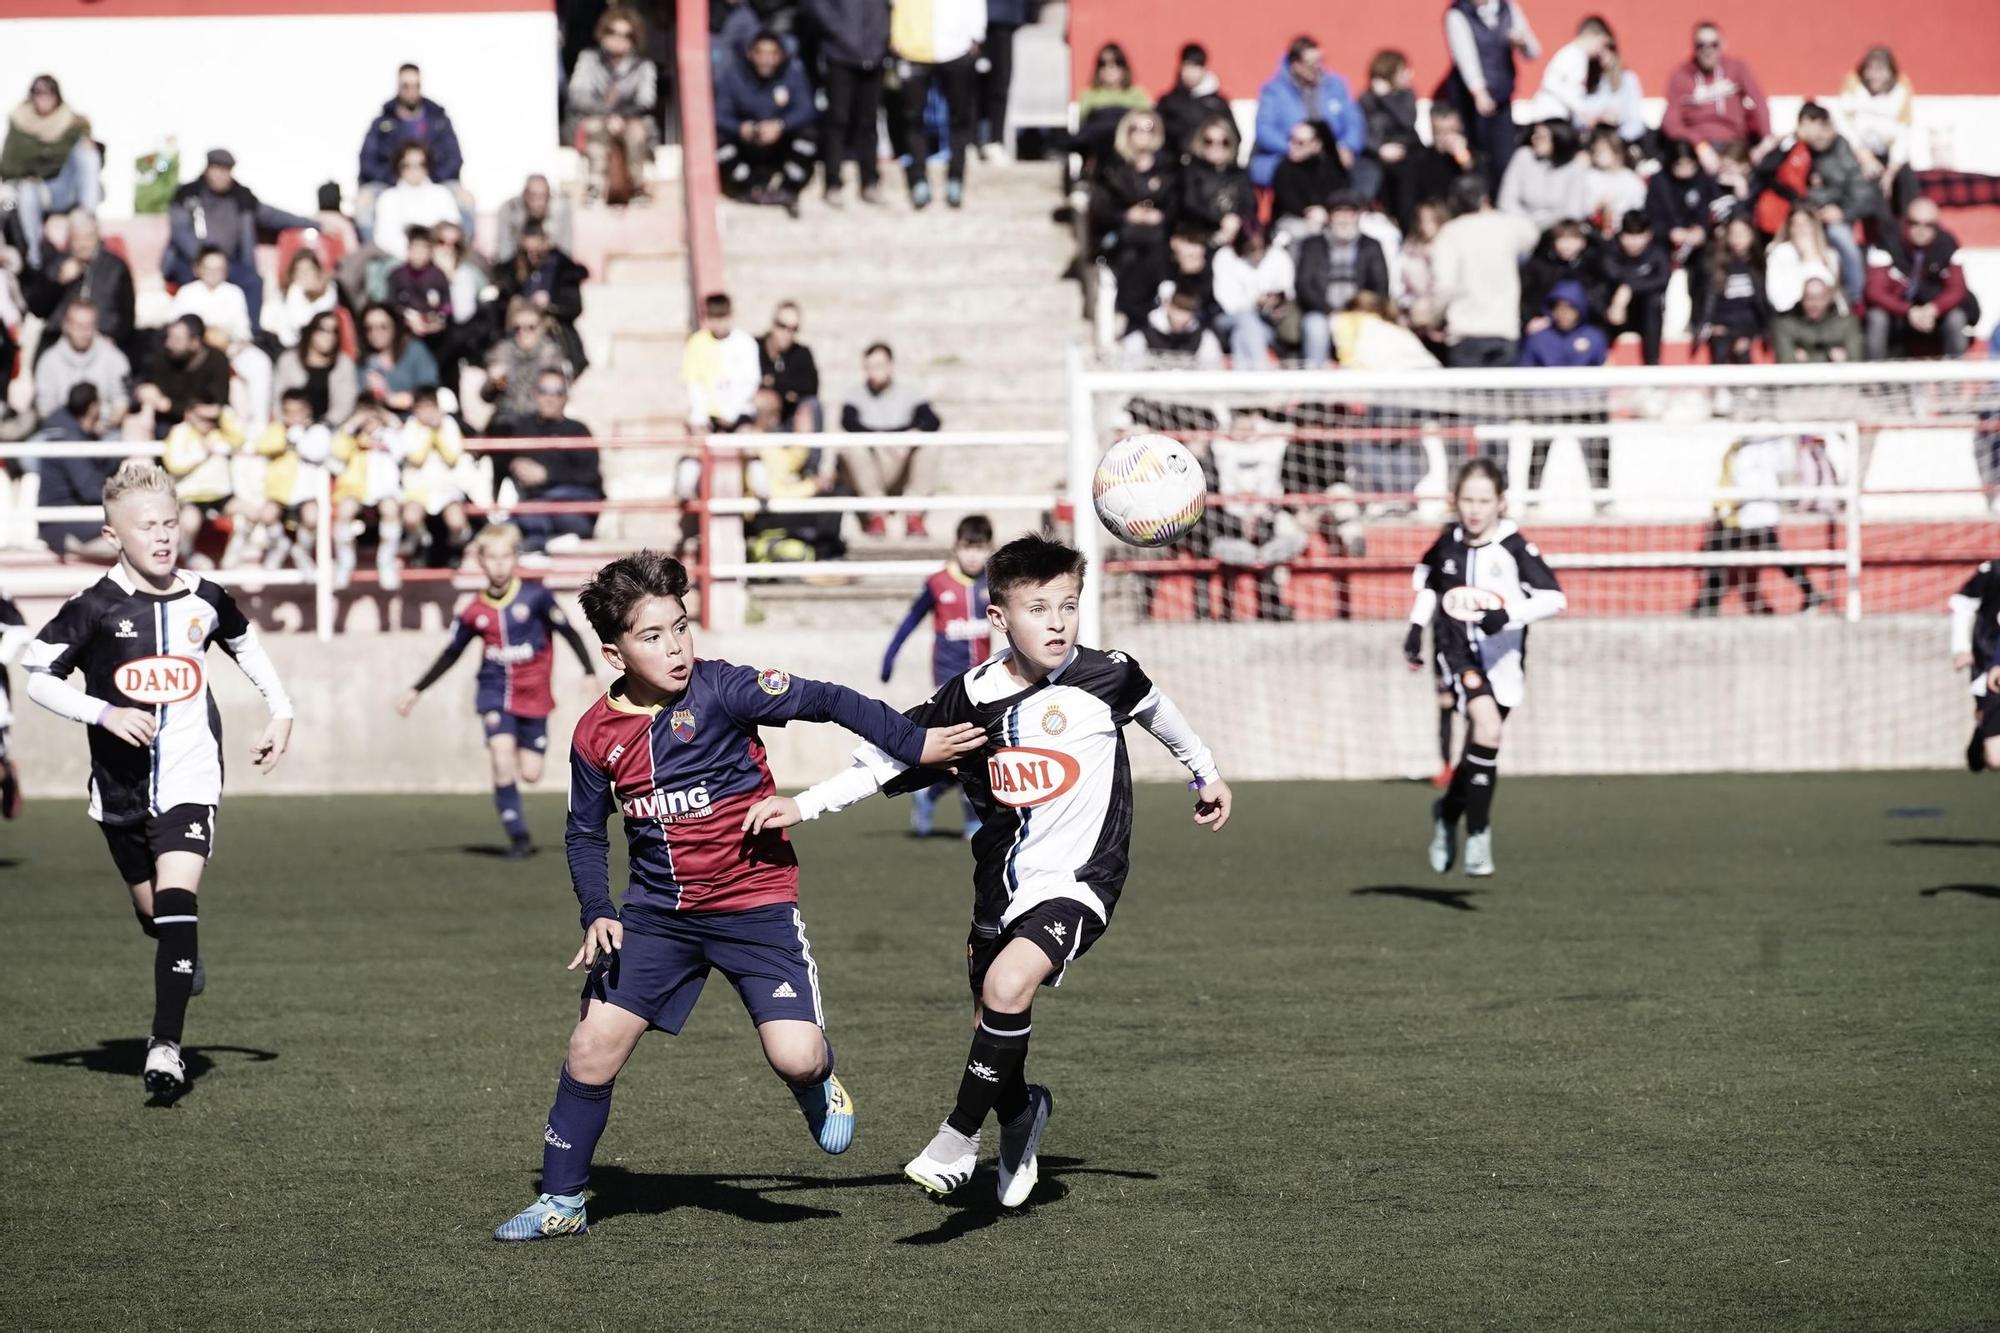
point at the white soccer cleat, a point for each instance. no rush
(165, 1071)
(1443, 839)
(1479, 853)
(1019, 1167)
(947, 1163)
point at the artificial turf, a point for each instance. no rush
(1710, 1052)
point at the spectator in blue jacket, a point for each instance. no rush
(1304, 89)
(1565, 340)
(764, 122)
(409, 117)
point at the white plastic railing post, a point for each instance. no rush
(323, 565)
(1085, 530)
(1854, 563)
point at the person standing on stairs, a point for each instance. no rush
(853, 47)
(937, 43)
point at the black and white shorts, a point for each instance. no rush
(1062, 928)
(137, 847)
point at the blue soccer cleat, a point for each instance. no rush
(829, 1113)
(547, 1218)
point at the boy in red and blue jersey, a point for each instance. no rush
(955, 599)
(673, 748)
(514, 623)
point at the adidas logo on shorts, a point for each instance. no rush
(784, 992)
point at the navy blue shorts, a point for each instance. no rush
(530, 733)
(658, 972)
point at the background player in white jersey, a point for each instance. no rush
(13, 638)
(1975, 648)
(1487, 656)
(140, 636)
(1054, 794)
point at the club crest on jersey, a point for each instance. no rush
(683, 724)
(1022, 775)
(773, 681)
(1472, 680)
(1053, 721)
(197, 631)
(159, 680)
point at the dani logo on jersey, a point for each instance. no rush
(159, 680)
(669, 807)
(1022, 775)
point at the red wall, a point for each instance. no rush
(1802, 47)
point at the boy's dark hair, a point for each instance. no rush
(974, 530)
(1387, 64)
(419, 233)
(715, 305)
(613, 591)
(1029, 562)
(208, 250)
(883, 348)
(301, 396)
(426, 394)
(83, 397)
(1814, 111)
(1636, 222)
(1194, 53)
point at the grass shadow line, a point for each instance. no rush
(1458, 900)
(125, 1057)
(1991, 891)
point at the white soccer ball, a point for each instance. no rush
(1149, 490)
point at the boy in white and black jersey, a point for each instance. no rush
(1053, 790)
(140, 637)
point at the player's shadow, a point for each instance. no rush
(615, 1191)
(974, 1207)
(1944, 842)
(1970, 890)
(1458, 900)
(490, 851)
(125, 1057)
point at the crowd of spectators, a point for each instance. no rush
(386, 337)
(1478, 235)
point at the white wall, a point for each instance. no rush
(292, 97)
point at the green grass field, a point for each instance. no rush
(1709, 1053)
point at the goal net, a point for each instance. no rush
(1757, 559)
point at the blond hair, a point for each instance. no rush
(493, 534)
(137, 477)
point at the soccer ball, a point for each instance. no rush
(1148, 490)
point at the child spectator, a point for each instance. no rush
(955, 600)
(419, 291)
(1547, 181)
(295, 448)
(197, 454)
(308, 290)
(1563, 338)
(1636, 270)
(435, 481)
(215, 209)
(1567, 252)
(1389, 111)
(414, 201)
(719, 368)
(1254, 292)
(613, 91)
(1174, 329)
(368, 481)
(1679, 198)
(1196, 97)
(1736, 314)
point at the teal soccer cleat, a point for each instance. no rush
(547, 1218)
(829, 1113)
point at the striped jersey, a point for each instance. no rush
(1975, 622)
(1053, 788)
(514, 632)
(1506, 563)
(141, 649)
(962, 636)
(681, 775)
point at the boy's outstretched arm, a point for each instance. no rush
(920, 608)
(461, 639)
(240, 641)
(777, 697)
(1169, 726)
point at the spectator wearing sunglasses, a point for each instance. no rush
(1304, 89)
(1714, 100)
(787, 368)
(1918, 303)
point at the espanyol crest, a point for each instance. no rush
(683, 724)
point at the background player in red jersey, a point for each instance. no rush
(955, 600)
(673, 746)
(513, 621)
